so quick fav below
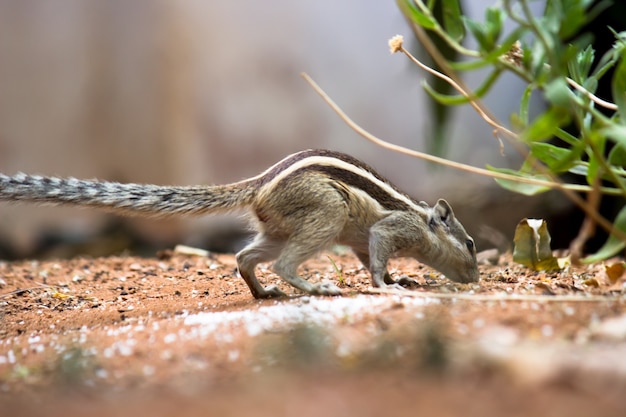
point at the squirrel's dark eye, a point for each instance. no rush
(470, 244)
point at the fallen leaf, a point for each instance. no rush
(614, 271)
(591, 282)
(545, 288)
(60, 296)
(564, 262)
(532, 246)
(190, 251)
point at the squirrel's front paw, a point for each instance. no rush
(395, 286)
(326, 288)
(272, 291)
(405, 281)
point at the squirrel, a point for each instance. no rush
(302, 204)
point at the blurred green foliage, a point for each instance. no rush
(577, 134)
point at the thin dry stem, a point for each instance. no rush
(428, 157)
(461, 90)
(568, 189)
(591, 96)
(483, 111)
(494, 297)
(590, 212)
(23, 290)
(446, 69)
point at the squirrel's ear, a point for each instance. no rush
(444, 211)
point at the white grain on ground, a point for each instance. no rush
(305, 310)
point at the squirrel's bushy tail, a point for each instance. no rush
(129, 199)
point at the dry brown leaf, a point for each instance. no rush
(532, 246)
(60, 296)
(592, 282)
(614, 271)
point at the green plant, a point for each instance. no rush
(342, 281)
(550, 55)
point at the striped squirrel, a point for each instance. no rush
(302, 204)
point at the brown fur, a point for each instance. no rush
(302, 204)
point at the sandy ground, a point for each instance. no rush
(181, 335)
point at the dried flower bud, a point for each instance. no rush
(515, 55)
(395, 44)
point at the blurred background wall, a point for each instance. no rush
(185, 92)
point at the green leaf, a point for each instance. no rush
(580, 169)
(620, 36)
(550, 22)
(337, 270)
(480, 33)
(567, 137)
(493, 56)
(608, 60)
(415, 15)
(494, 18)
(618, 87)
(545, 125)
(617, 156)
(523, 106)
(558, 93)
(556, 158)
(613, 245)
(520, 187)
(455, 100)
(573, 19)
(532, 246)
(615, 132)
(538, 58)
(597, 8)
(529, 57)
(580, 67)
(590, 84)
(452, 21)
(595, 164)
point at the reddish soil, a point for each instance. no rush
(182, 335)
